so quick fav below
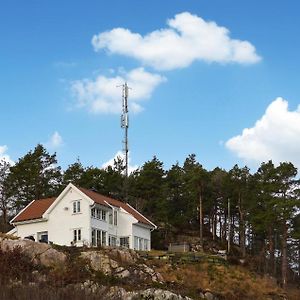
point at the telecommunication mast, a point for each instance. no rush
(125, 123)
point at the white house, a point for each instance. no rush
(82, 217)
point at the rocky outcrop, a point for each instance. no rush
(125, 267)
(144, 272)
(125, 256)
(99, 261)
(39, 253)
(119, 293)
(155, 294)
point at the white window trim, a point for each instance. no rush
(96, 230)
(73, 232)
(99, 212)
(76, 207)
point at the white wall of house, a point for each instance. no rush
(32, 229)
(143, 234)
(62, 221)
(125, 222)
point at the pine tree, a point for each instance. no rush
(4, 199)
(34, 176)
(74, 174)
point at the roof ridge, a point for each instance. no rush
(47, 198)
(91, 191)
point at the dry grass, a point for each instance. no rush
(230, 282)
(293, 293)
(45, 293)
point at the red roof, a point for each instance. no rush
(34, 210)
(100, 199)
(37, 208)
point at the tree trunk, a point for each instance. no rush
(224, 229)
(272, 251)
(3, 208)
(242, 227)
(215, 225)
(298, 258)
(214, 231)
(262, 259)
(229, 228)
(284, 256)
(220, 226)
(201, 218)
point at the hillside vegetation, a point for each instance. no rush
(30, 270)
(253, 216)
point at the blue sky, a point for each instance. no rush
(194, 90)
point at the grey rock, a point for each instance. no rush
(124, 274)
(100, 261)
(39, 253)
(154, 294)
(209, 296)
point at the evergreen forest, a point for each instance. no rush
(253, 215)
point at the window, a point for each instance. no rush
(112, 241)
(124, 242)
(146, 245)
(136, 243)
(141, 244)
(76, 207)
(110, 218)
(115, 218)
(98, 237)
(103, 238)
(94, 237)
(42, 237)
(103, 216)
(94, 212)
(98, 213)
(76, 235)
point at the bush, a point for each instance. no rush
(74, 271)
(14, 265)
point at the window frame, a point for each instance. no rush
(77, 237)
(99, 214)
(115, 218)
(126, 243)
(98, 237)
(76, 206)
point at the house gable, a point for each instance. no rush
(68, 189)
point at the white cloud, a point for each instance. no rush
(102, 95)
(275, 136)
(121, 155)
(187, 38)
(4, 155)
(55, 141)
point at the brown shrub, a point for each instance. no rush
(74, 271)
(14, 265)
(45, 293)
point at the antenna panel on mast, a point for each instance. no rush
(125, 123)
